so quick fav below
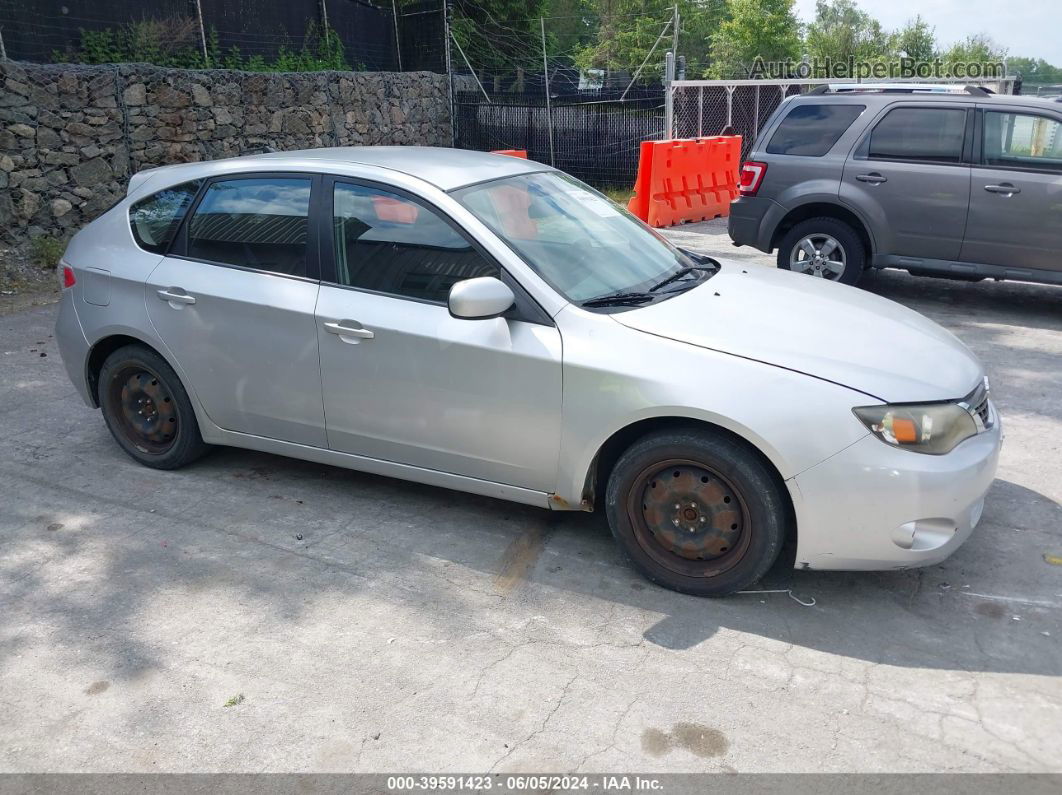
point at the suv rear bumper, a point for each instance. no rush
(753, 220)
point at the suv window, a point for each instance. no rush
(933, 134)
(155, 218)
(812, 130)
(394, 244)
(258, 223)
(1022, 140)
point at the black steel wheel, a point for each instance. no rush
(696, 511)
(147, 409)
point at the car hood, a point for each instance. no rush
(827, 330)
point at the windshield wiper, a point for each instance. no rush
(679, 274)
(619, 299)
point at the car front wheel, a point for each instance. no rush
(823, 247)
(696, 511)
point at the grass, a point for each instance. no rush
(618, 195)
(232, 702)
(45, 252)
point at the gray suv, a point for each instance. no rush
(939, 181)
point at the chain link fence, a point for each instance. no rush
(741, 107)
(594, 136)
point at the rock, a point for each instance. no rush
(22, 130)
(201, 96)
(6, 163)
(29, 203)
(47, 138)
(61, 207)
(91, 172)
(136, 94)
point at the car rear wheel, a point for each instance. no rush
(827, 248)
(696, 511)
(147, 409)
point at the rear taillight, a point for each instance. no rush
(66, 276)
(752, 173)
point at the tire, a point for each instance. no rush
(819, 230)
(142, 400)
(731, 514)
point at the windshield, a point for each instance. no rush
(585, 246)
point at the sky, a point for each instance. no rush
(1029, 28)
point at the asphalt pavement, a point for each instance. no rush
(255, 613)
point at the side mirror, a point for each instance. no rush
(480, 299)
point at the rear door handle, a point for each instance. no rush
(1006, 189)
(874, 178)
(176, 298)
(349, 333)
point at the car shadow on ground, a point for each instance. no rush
(988, 301)
(443, 554)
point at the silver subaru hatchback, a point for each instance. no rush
(491, 325)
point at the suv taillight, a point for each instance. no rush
(752, 172)
(66, 276)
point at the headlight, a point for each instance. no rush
(933, 428)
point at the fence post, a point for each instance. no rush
(449, 70)
(756, 114)
(700, 111)
(202, 33)
(398, 39)
(549, 105)
(669, 96)
(675, 31)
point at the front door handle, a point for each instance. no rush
(874, 178)
(349, 333)
(1005, 189)
(176, 298)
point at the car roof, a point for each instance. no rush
(880, 98)
(442, 167)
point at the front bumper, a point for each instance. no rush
(873, 506)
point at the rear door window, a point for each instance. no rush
(1022, 140)
(154, 219)
(925, 134)
(259, 223)
(812, 130)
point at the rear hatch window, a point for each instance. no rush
(812, 130)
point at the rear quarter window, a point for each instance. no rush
(155, 218)
(812, 130)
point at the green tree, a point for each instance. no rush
(842, 30)
(628, 29)
(1034, 70)
(915, 40)
(755, 29)
(498, 36)
(976, 49)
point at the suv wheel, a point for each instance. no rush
(696, 511)
(824, 247)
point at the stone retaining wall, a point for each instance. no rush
(70, 136)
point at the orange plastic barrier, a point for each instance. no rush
(511, 152)
(683, 180)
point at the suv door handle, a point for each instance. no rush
(874, 178)
(1005, 188)
(176, 298)
(349, 331)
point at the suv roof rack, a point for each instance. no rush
(901, 88)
